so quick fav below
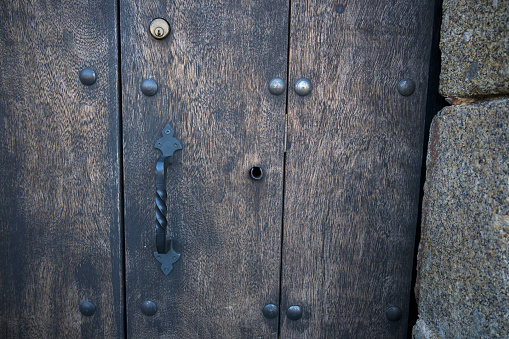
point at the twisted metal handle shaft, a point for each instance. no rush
(161, 210)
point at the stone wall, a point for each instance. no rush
(463, 270)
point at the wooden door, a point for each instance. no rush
(328, 227)
(60, 234)
(353, 166)
(211, 73)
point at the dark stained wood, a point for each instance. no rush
(59, 174)
(353, 166)
(212, 71)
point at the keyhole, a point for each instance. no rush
(159, 31)
(256, 173)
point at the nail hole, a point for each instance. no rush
(256, 173)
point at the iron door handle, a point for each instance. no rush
(165, 253)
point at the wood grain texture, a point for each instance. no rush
(353, 166)
(59, 175)
(212, 72)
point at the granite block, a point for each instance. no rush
(474, 43)
(463, 269)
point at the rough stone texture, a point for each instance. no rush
(421, 331)
(475, 48)
(463, 271)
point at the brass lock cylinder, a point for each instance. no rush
(159, 28)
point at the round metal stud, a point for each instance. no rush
(277, 86)
(270, 311)
(294, 312)
(87, 76)
(159, 28)
(256, 173)
(303, 87)
(87, 308)
(406, 87)
(393, 313)
(148, 308)
(149, 87)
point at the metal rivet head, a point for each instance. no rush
(87, 308)
(303, 87)
(148, 308)
(256, 173)
(87, 76)
(270, 311)
(159, 28)
(149, 87)
(340, 9)
(406, 87)
(294, 312)
(277, 86)
(393, 313)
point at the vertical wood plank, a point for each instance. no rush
(212, 73)
(59, 174)
(353, 166)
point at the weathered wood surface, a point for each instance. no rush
(59, 174)
(353, 166)
(212, 72)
